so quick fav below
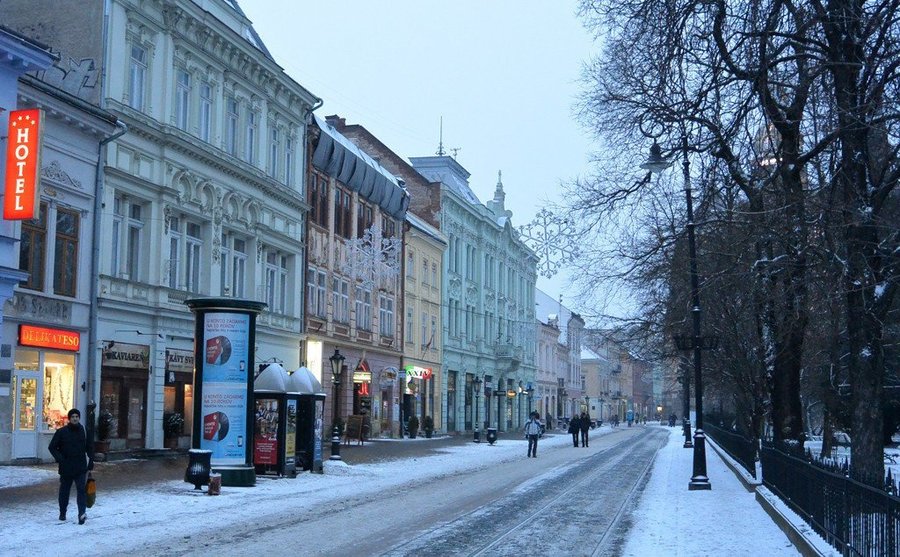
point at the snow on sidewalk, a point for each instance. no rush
(726, 520)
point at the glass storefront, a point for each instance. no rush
(58, 370)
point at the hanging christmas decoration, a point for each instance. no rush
(552, 238)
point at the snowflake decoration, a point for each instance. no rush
(372, 260)
(551, 238)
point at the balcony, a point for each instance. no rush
(509, 356)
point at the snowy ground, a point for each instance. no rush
(669, 519)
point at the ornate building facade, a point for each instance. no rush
(488, 289)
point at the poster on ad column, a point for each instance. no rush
(225, 377)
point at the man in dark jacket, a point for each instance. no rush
(585, 424)
(574, 428)
(71, 448)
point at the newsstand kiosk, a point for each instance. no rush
(275, 423)
(310, 417)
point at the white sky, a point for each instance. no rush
(503, 74)
(669, 519)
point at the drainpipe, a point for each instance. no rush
(95, 261)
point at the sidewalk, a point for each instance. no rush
(668, 519)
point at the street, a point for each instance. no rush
(566, 501)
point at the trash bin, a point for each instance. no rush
(215, 484)
(491, 435)
(199, 466)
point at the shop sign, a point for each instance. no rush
(362, 376)
(43, 337)
(120, 354)
(23, 148)
(179, 360)
(417, 372)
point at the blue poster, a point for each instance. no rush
(225, 379)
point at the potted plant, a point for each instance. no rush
(173, 425)
(428, 426)
(413, 426)
(106, 424)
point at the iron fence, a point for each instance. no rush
(854, 518)
(742, 449)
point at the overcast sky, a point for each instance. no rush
(503, 74)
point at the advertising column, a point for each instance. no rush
(223, 416)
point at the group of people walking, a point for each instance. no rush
(580, 425)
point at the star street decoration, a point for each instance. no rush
(552, 239)
(373, 259)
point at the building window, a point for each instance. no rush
(193, 244)
(388, 228)
(276, 281)
(231, 123)
(182, 99)
(250, 144)
(174, 251)
(363, 309)
(364, 218)
(137, 77)
(410, 326)
(424, 271)
(386, 316)
(66, 252)
(342, 213)
(318, 199)
(425, 343)
(315, 289)
(411, 265)
(126, 239)
(288, 161)
(273, 153)
(434, 282)
(340, 300)
(234, 266)
(205, 111)
(32, 248)
(59, 387)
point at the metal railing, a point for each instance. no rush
(742, 449)
(854, 518)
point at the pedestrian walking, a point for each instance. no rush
(72, 450)
(533, 433)
(574, 429)
(585, 423)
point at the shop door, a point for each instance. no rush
(134, 432)
(26, 414)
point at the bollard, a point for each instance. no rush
(215, 484)
(477, 434)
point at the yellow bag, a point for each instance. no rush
(91, 489)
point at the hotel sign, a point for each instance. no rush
(23, 150)
(49, 338)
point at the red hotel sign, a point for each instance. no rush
(23, 148)
(49, 338)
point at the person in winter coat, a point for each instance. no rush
(574, 428)
(533, 433)
(585, 424)
(72, 449)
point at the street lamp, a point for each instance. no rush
(337, 365)
(478, 382)
(656, 163)
(530, 391)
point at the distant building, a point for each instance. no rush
(570, 392)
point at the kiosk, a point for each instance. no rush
(274, 422)
(310, 398)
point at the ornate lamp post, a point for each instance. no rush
(656, 163)
(337, 366)
(478, 382)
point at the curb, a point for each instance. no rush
(801, 534)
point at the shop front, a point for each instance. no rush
(44, 387)
(178, 397)
(124, 379)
